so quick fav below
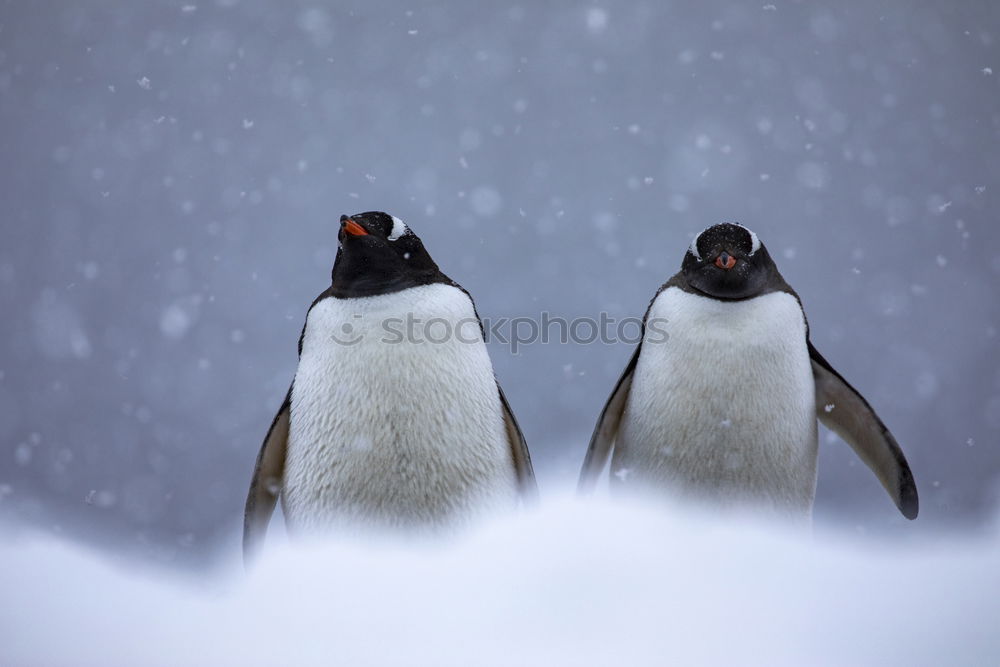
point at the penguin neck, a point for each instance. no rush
(772, 282)
(360, 275)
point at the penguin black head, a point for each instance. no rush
(379, 254)
(728, 261)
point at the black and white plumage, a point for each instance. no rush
(387, 426)
(719, 401)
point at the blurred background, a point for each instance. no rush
(173, 173)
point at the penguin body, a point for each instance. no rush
(394, 419)
(720, 401)
(389, 432)
(681, 432)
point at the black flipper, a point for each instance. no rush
(607, 428)
(519, 448)
(265, 486)
(269, 472)
(853, 419)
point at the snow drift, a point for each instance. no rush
(571, 583)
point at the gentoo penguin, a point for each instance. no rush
(720, 399)
(394, 419)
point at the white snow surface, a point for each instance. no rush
(574, 582)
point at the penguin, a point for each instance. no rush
(394, 419)
(719, 402)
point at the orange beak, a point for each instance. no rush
(353, 228)
(725, 261)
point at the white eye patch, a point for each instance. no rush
(754, 241)
(693, 249)
(399, 228)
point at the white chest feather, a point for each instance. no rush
(723, 409)
(395, 420)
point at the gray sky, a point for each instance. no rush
(173, 174)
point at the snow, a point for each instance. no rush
(470, 139)
(597, 20)
(174, 322)
(812, 175)
(485, 201)
(59, 331)
(130, 145)
(22, 454)
(575, 582)
(316, 23)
